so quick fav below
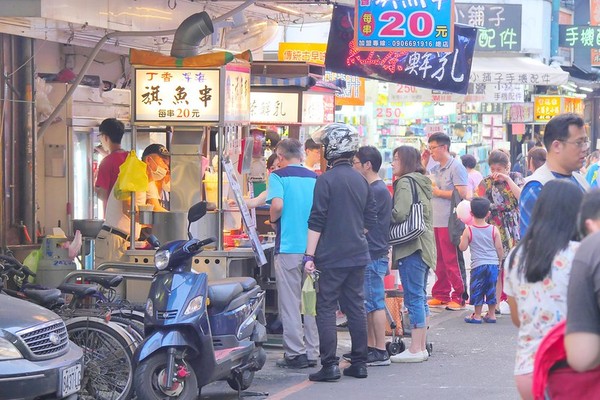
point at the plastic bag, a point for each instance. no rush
(32, 260)
(309, 297)
(132, 177)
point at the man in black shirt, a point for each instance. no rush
(343, 210)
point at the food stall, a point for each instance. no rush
(291, 99)
(209, 109)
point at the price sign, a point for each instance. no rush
(168, 95)
(413, 25)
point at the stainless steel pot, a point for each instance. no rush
(168, 226)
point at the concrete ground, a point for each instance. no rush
(468, 362)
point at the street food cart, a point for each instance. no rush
(209, 109)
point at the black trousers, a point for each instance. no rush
(345, 285)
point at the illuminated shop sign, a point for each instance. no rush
(274, 107)
(423, 25)
(499, 25)
(176, 95)
(237, 93)
(354, 92)
(447, 71)
(546, 107)
(317, 109)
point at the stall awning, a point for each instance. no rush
(517, 70)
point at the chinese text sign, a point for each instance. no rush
(448, 71)
(274, 107)
(413, 25)
(499, 25)
(176, 95)
(579, 36)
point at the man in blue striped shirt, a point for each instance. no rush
(567, 144)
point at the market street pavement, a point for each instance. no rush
(468, 362)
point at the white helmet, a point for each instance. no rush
(338, 140)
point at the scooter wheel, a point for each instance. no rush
(147, 381)
(241, 381)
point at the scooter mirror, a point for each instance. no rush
(197, 211)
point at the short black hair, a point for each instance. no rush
(271, 160)
(113, 128)
(312, 145)
(590, 208)
(468, 161)
(369, 153)
(440, 138)
(480, 206)
(558, 127)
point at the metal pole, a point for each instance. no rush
(554, 28)
(132, 237)
(221, 219)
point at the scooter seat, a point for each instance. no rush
(246, 282)
(221, 292)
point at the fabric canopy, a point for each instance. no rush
(517, 70)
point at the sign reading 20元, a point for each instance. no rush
(411, 25)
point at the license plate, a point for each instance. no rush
(70, 380)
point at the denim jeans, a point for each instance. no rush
(413, 273)
(374, 289)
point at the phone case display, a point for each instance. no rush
(480, 152)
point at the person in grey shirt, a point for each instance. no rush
(446, 175)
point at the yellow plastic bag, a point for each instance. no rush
(132, 177)
(309, 297)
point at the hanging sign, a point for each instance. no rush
(274, 107)
(237, 93)
(545, 107)
(583, 36)
(419, 25)
(499, 25)
(518, 113)
(317, 109)
(354, 92)
(168, 95)
(447, 71)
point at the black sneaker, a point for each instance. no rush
(312, 363)
(296, 362)
(377, 358)
(348, 356)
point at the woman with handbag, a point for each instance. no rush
(413, 246)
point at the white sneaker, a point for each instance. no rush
(504, 308)
(407, 357)
(425, 354)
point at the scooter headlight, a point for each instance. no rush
(161, 259)
(149, 307)
(194, 305)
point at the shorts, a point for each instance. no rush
(374, 289)
(483, 284)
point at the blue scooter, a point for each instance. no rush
(197, 331)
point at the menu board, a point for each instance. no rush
(249, 222)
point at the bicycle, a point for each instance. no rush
(108, 346)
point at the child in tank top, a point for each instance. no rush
(486, 253)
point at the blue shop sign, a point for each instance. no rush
(411, 25)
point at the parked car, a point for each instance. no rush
(37, 360)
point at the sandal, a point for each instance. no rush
(472, 320)
(489, 319)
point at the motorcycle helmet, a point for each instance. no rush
(338, 140)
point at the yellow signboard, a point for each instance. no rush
(354, 93)
(546, 107)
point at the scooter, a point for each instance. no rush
(197, 331)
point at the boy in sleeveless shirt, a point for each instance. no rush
(486, 253)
